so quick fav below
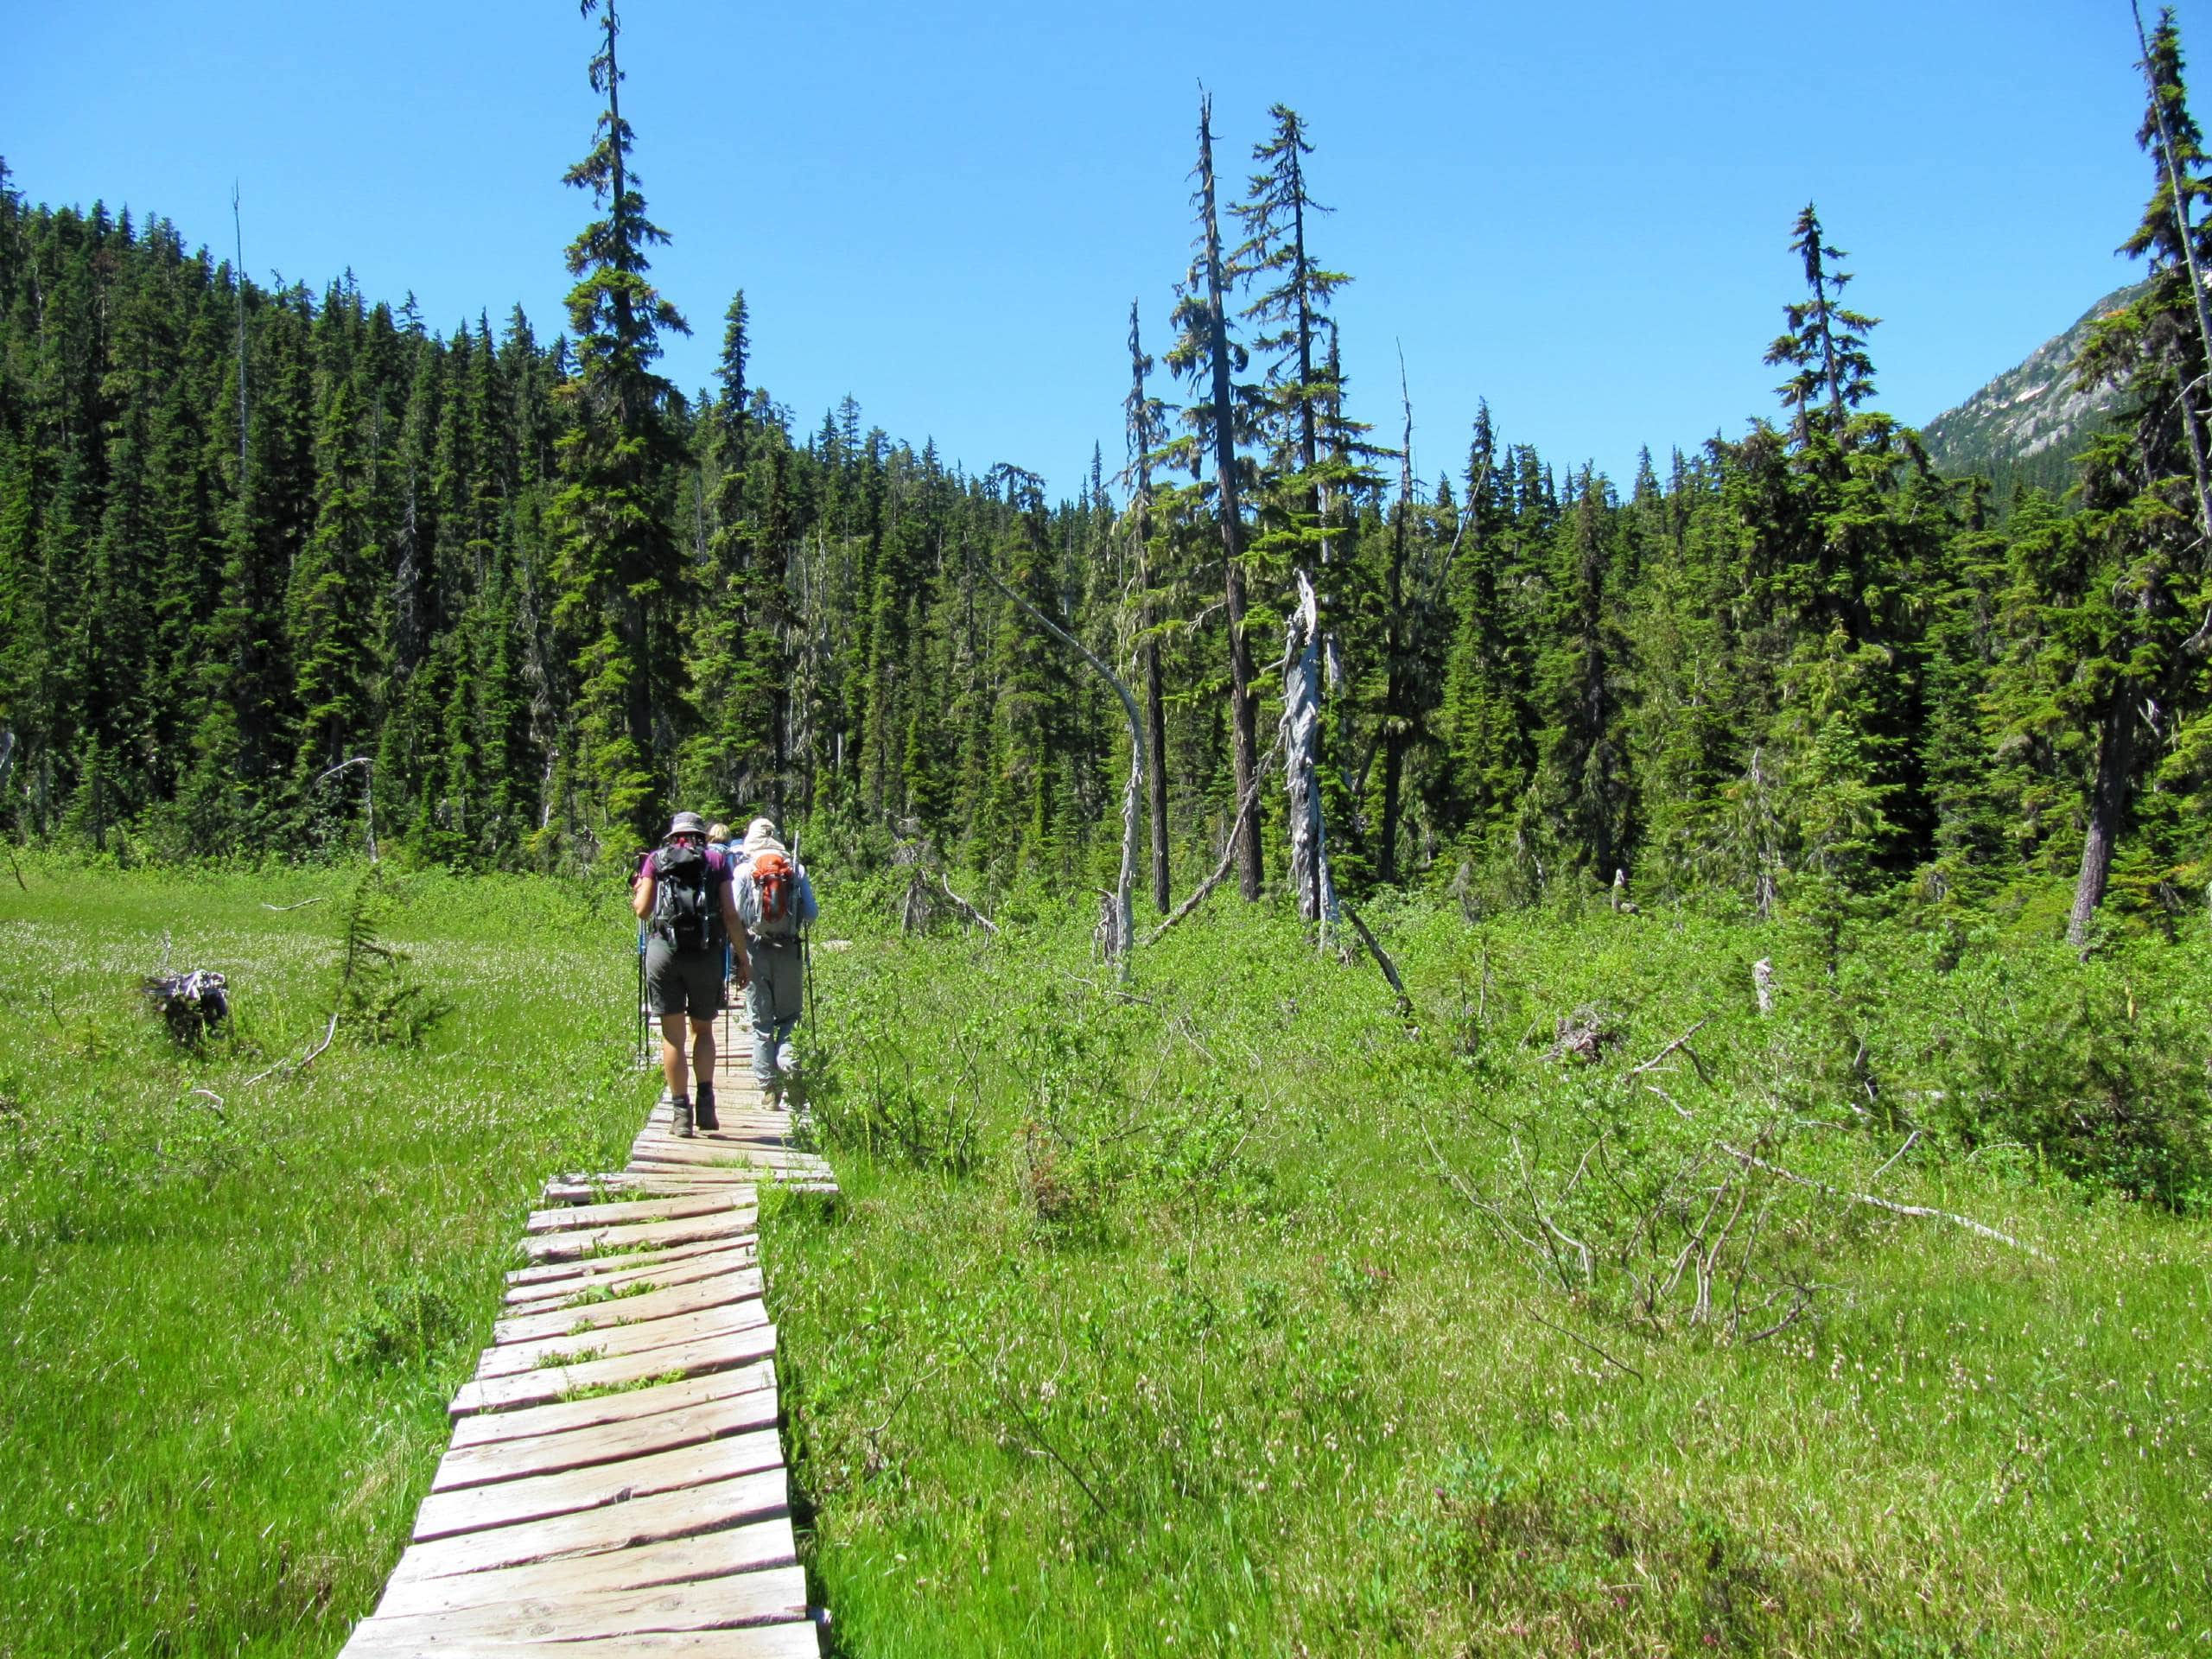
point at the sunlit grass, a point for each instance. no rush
(235, 1317)
(1154, 1326)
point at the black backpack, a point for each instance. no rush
(686, 911)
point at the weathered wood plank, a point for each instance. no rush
(752, 1546)
(711, 1291)
(613, 1241)
(796, 1640)
(704, 1155)
(588, 1532)
(536, 1498)
(652, 1270)
(646, 1336)
(617, 1211)
(578, 1193)
(543, 1388)
(563, 1416)
(576, 1269)
(770, 1596)
(464, 1467)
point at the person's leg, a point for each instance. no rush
(702, 1071)
(672, 1066)
(760, 1013)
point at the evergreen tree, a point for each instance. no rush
(1204, 355)
(621, 570)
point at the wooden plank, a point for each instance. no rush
(650, 1235)
(710, 1291)
(566, 1416)
(733, 1600)
(510, 1504)
(544, 1387)
(704, 1155)
(753, 1547)
(701, 1186)
(550, 1454)
(681, 1513)
(577, 1268)
(729, 1138)
(617, 1211)
(797, 1640)
(650, 1270)
(646, 1336)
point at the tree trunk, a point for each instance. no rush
(1301, 722)
(1244, 740)
(2107, 795)
(1155, 710)
(1155, 720)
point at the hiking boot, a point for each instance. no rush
(680, 1112)
(703, 1109)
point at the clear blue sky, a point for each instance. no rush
(1581, 213)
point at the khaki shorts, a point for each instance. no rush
(683, 982)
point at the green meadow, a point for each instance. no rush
(234, 1316)
(1234, 1308)
(1232, 1311)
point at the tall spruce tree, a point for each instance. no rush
(620, 568)
(1824, 344)
(1204, 355)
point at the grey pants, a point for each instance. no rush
(773, 1002)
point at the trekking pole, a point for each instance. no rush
(642, 1059)
(806, 971)
(805, 941)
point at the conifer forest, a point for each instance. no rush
(1492, 1060)
(284, 568)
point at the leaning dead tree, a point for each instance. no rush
(1118, 931)
(1301, 727)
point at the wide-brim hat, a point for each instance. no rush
(685, 823)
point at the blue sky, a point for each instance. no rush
(1580, 213)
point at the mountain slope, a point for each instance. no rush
(2026, 425)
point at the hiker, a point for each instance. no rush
(774, 900)
(682, 895)
(719, 840)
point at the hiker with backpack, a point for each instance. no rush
(682, 895)
(774, 900)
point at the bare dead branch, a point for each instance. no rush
(1894, 1156)
(1682, 1043)
(302, 904)
(1228, 853)
(1868, 1198)
(972, 914)
(305, 1060)
(1796, 1310)
(1382, 958)
(1621, 1363)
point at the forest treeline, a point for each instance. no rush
(250, 533)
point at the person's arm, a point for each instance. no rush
(740, 962)
(809, 912)
(641, 892)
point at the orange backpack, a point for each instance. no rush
(777, 883)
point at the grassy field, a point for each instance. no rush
(1235, 1316)
(1237, 1313)
(233, 1319)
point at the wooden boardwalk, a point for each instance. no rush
(615, 1485)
